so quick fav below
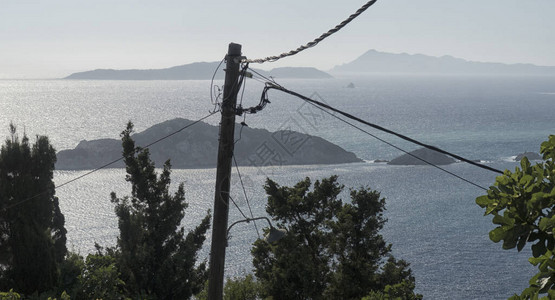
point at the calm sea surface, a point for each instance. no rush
(434, 222)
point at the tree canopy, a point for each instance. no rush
(521, 203)
(332, 249)
(32, 233)
(155, 256)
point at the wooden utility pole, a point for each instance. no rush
(223, 173)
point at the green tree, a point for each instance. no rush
(398, 291)
(333, 250)
(100, 278)
(70, 270)
(32, 236)
(96, 277)
(244, 288)
(154, 255)
(521, 203)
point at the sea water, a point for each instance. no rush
(433, 221)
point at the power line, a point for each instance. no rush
(263, 81)
(212, 87)
(325, 108)
(237, 206)
(239, 110)
(271, 85)
(400, 149)
(108, 164)
(245, 192)
(238, 84)
(243, 73)
(261, 76)
(317, 40)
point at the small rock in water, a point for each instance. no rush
(425, 154)
(529, 155)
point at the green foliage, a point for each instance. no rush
(63, 296)
(521, 203)
(32, 233)
(154, 255)
(203, 294)
(398, 291)
(245, 288)
(70, 271)
(100, 278)
(11, 295)
(333, 250)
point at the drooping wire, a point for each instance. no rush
(266, 79)
(243, 124)
(317, 40)
(107, 164)
(271, 83)
(261, 80)
(245, 193)
(239, 83)
(325, 109)
(398, 148)
(236, 206)
(239, 110)
(215, 102)
(244, 70)
(406, 138)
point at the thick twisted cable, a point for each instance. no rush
(317, 40)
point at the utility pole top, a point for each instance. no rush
(234, 49)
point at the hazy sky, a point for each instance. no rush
(50, 39)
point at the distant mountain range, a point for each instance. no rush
(381, 62)
(374, 62)
(194, 71)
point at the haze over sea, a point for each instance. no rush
(434, 222)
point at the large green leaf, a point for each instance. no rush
(483, 201)
(546, 223)
(538, 249)
(526, 179)
(506, 219)
(497, 234)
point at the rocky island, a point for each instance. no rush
(529, 155)
(428, 155)
(197, 147)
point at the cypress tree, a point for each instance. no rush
(32, 233)
(155, 256)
